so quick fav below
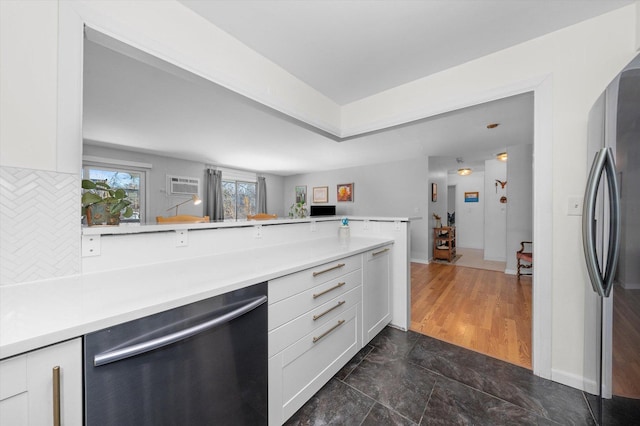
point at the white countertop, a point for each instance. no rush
(37, 314)
(136, 228)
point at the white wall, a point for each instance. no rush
(469, 216)
(520, 201)
(158, 200)
(398, 189)
(495, 212)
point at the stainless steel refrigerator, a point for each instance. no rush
(611, 241)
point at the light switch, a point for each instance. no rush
(575, 206)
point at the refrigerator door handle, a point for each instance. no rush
(601, 283)
(613, 251)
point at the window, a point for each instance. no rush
(239, 199)
(132, 181)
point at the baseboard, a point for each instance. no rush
(495, 259)
(510, 271)
(575, 381)
(423, 261)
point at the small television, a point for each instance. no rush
(323, 211)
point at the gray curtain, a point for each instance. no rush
(262, 195)
(213, 204)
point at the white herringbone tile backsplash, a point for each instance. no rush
(39, 225)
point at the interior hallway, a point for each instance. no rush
(482, 310)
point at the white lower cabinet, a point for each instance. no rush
(376, 292)
(28, 387)
(314, 330)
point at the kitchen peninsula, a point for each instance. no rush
(130, 272)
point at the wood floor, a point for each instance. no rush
(485, 311)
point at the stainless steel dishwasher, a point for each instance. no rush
(200, 364)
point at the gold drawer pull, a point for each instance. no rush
(56, 396)
(317, 317)
(315, 296)
(339, 265)
(317, 339)
(380, 252)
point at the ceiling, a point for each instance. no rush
(349, 50)
(144, 106)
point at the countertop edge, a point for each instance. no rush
(35, 340)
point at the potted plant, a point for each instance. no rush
(102, 204)
(298, 210)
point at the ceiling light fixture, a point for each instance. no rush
(463, 171)
(492, 125)
(501, 156)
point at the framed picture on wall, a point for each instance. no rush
(345, 192)
(321, 194)
(471, 197)
(301, 194)
(434, 192)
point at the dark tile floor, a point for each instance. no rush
(410, 379)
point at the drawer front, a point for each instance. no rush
(293, 331)
(307, 366)
(294, 306)
(286, 286)
(13, 372)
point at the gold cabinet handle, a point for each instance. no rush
(339, 265)
(380, 252)
(56, 396)
(317, 339)
(316, 295)
(317, 317)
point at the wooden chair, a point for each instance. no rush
(525, 258)
(262, 216)
(182, 218)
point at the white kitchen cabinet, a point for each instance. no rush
(27, 386)
(315, 328)
(376, 292)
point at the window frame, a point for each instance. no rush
(123, 168)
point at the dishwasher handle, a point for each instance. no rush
(140, 348)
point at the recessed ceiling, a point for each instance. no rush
(345, 49)
(349, 50)
(133, 105)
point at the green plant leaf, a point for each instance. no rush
(89, 198)
(128, 212)
(88, 184)
(120, 194)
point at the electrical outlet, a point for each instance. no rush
(90, 245)
(366, 224)
(396, 225)
(182, 238)
(258, 231)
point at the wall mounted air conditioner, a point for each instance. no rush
(182, 185)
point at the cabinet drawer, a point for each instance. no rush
(13, 372)
(293, 331)
(305, 367)
(294, 306)
(286, 286)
